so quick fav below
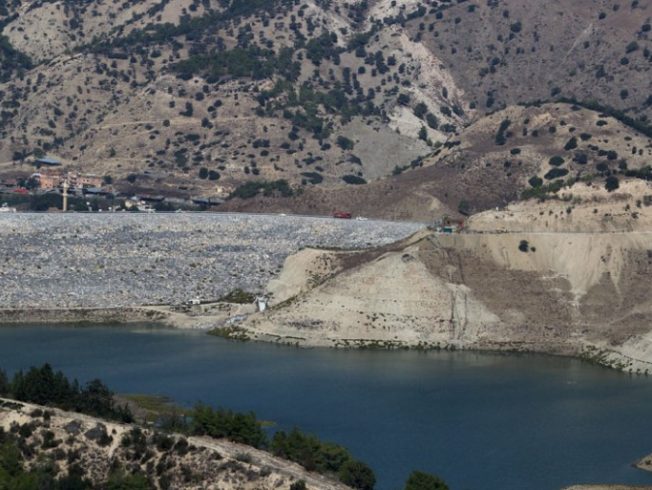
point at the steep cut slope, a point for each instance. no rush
(571, 293)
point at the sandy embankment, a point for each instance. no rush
(565, 293)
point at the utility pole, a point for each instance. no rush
(65, 195)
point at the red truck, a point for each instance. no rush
(342, 215)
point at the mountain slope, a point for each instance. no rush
(190, 97)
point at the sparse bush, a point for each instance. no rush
(252, 189)
(298, 485)
(239, 296)
(464, 207)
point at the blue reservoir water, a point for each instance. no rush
(480, 421)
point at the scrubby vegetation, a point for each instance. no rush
(419, 480)
(239, 296)
(252, 189)
(12, 61)
(15, 476)
(44, 386)
(323, 457)
(238, 427)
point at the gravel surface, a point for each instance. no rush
(127, 259)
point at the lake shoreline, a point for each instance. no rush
(223, 319)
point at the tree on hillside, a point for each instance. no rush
(419, 480)
(611, 184)
(358, 475)
(4, 383)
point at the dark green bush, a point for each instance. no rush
(571, 144)
(419, 480)
(345, 143)
(323, 457)
(252, 189)
(354, 180)
(536, 181)
(239, 296)
(612, 183)
(358, 475)
(555, 173)
(239, 427)
(44, 386)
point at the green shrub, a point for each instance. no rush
(252, 189)
(4, 383)
(501, 134)
(298, 485)
(611, 184)
(323, 457)
(571, 144)
(354, 180)
(238, 296)
(313, 177)
(543, 191)
(403, 99)
(44, 386)
(357, 475)
(536, 181)
(419, 480)
(555, 173)
(420, 110)
(238, 427)
(432, 121)
(345, 143)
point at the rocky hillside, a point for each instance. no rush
(77, 448)
(190, 96)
